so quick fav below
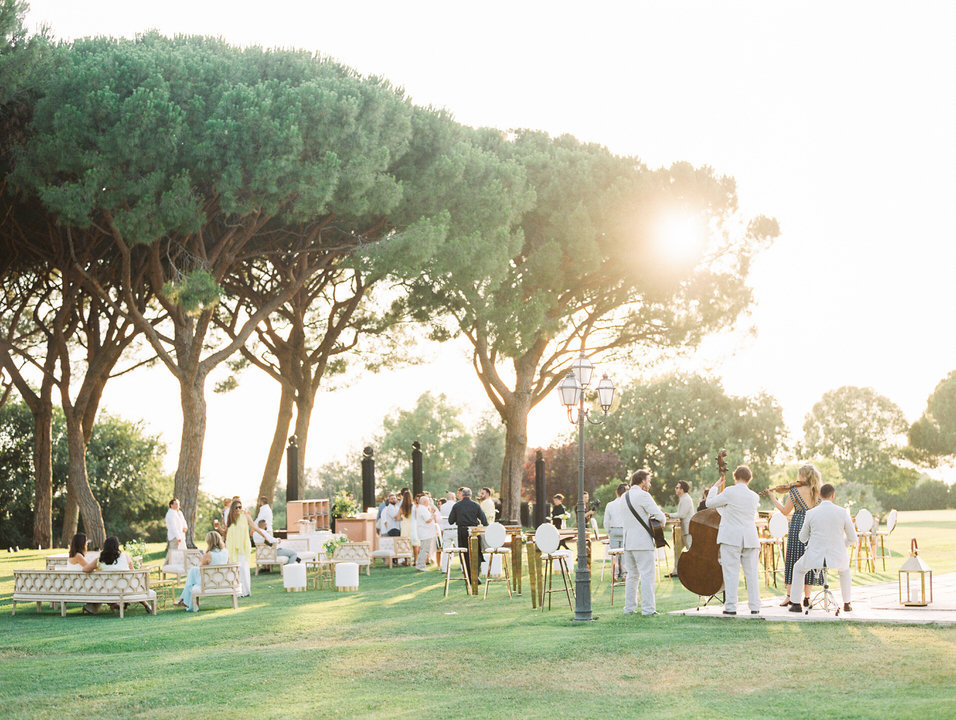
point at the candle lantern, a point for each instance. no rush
(916, 580)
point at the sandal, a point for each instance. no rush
(786, 601)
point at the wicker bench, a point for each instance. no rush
(100, 586)
(218, 580)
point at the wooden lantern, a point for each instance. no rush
(916, 580)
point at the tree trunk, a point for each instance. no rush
(79, 484)
(71, 519)
(43, 476)
(304, 403)
(516, 447)
(186, 486)
(267, 487)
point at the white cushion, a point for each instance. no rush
(346, 574)
(546, 537)
(293, 576)
(495, 535)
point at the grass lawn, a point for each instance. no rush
(396, 649)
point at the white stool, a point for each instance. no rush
(547, 539)
(293, 577)
(346, 576)
(495, 537)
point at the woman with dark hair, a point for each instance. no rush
(78, 559)
(238, 526)
(215, 554)
(406, 513)
(112, 558)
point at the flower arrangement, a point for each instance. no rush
(334, 544)
(344, 505)
(137, 551)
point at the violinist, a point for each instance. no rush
(802, 495)
(737, 538)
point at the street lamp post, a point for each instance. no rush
(571, 391)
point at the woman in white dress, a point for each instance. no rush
(111, 558)
(426, 521)
(80, 561)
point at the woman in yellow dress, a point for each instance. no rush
(238, 544)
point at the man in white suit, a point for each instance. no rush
(615, 528)
(737, 538)
(639, 546)
(827, 532)
(685, 511)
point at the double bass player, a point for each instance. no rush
(737, 538)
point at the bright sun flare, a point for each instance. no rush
(680, 238)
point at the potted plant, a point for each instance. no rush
(343, 506)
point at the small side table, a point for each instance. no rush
(320, 574)
(165, 588)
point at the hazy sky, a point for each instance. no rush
(835, 118)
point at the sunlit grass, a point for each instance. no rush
(393, 650)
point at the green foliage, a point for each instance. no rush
(194, 292)
(925, 494)
(446, 445)
(561, 470)
(828, 467)
(489, 450)
(675, 426)
(855, 496)
(124, 464)
(344, 504)
(862, 430)
(934, 434)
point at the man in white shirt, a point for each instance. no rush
(737, 539)
(175, 526)
(265, 513)
(685, 511)
(391, 517)
(486, 503)
(614, 526)
(221, 526)
(637, 508)
(827, 531)
(266, 536)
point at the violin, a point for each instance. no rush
(785, 488)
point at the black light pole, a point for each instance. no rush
(368, 478)
(572, 395)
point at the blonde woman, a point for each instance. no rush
(803, 497)
(238, 526)
(215, 554)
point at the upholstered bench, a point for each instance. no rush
(99, 586)
(218, 580)
(178, 562)
(266, 556)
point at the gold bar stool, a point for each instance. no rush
(546, 537)
(460, 553)
(495, 537)
(884, 534)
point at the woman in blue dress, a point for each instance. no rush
(216, 554)
(799, 499)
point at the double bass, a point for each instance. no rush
(699, 570)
